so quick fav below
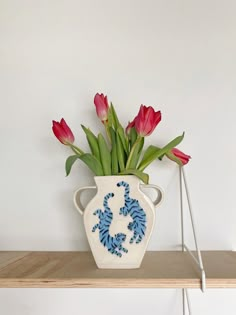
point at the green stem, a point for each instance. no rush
(76, 149)
(132, 152)
(107, 128)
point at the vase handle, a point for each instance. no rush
(77, 199)
(159, 191)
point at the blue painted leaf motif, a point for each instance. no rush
(132, 207)
(112, 243)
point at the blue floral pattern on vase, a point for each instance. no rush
(133, 208)
(112, 243)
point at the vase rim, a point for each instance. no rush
(115, 176)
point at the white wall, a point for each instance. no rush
(178, 56)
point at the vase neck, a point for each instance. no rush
(111, 181)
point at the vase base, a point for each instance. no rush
(118, 266)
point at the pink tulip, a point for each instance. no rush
(184, 158)
(62, 132)
(130, 125)
(146, 121)
(102, 106)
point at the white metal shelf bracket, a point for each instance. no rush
(198, 259)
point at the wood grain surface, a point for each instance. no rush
(160, 269)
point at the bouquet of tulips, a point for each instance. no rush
(122, 151)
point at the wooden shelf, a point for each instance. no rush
(78, 270)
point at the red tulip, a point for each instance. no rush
(130, 125)
(62, 132)
(102, 106)
(184, 158)
(146, 121)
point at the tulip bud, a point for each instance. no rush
(146, 121)
(102, 107)
(184, 158)
(62, 131)
(130, 125)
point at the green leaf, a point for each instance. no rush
(123, 138)
(109, 117)
(93, 163)
(115, 119)
(150, 151)
(104, 154)
(92, 141)
(143, 176)
(120, 153)
(155, 152)
(69, 163)
(90, 160)
(132, 158)
(137, 149)
(107, 128)
(114, 160)
(133, 136)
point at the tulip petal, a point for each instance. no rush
(67, 130)
(139, 121)
(130, 126)
(182, 157)
(157, 117)
(146, 120)
(62, 132)
(102, 106)
(59, 132)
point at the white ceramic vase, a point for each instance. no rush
(119, 220)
